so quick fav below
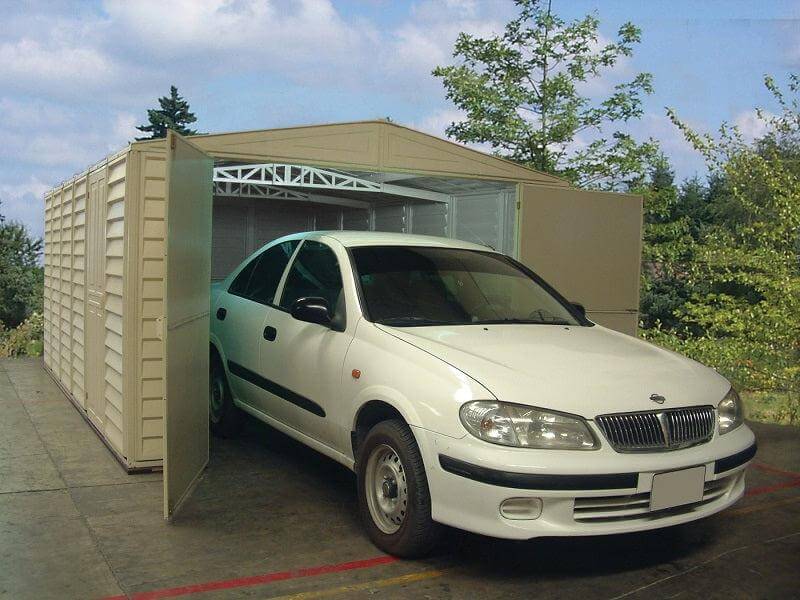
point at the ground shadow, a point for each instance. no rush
(547, 558)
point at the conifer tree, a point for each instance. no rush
(174, 114)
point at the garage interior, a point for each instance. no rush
(257, 203)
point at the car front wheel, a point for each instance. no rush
(394, 500)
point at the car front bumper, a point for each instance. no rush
(581, 492)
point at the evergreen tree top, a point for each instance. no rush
(174, 114)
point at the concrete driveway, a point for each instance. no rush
(271, 518)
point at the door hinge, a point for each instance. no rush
(160, 328)
(172, 142)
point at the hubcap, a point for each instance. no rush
(386, 489)
(216, 398)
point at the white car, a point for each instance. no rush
(465, 391)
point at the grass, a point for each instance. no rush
(772, 407)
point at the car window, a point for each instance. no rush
(259, 279)
(407, 286)
(268, 272)
(314, 272)
(239, 285)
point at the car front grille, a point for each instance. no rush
(658, 430)
(636, 507)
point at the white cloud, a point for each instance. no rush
(124, 131)
(29, 64)
(751, 125)
(437, 122)
(685, 160)
(296, 40)
(24, 202)
(412, 50)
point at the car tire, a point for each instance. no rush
(393, 496)
(224, 417)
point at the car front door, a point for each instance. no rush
(304, 360)
(240, 315)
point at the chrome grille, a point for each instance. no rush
(636, 507)
(655, 430)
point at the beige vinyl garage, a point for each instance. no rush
(132, 244)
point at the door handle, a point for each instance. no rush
(270, 333)
(221, 312)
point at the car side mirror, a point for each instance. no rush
(312, 310)
(580, 308)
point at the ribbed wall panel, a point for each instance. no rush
(150, 347)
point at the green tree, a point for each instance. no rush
(521, 92)
(744, 316)
(667, 250)
(21, 278)
(174, 114)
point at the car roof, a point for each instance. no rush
(352, 239)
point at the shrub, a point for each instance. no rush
(24, 340)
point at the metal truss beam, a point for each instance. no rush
(286, 175)
(253, 190)
(294, 176)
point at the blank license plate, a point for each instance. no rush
(677, 488)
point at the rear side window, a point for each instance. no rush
(315, 272)
(239, 285)
(260, 278)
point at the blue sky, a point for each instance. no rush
(76, 77)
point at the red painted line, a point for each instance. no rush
(766, 489)
(227, 584)
(769, 468)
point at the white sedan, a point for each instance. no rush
(463, 390)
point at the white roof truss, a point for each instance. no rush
(253, 190)
(275, 176)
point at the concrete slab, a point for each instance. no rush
(47, 551)
(268, 508)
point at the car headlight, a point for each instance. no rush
(730, 412)
(525, 426)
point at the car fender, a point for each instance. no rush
(424, 389)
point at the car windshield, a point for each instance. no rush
(407, 286)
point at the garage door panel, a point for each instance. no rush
(186, 326)
(586, 244)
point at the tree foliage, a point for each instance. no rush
(522, 94)
(743, 311)
(174, 114)
(21, 278)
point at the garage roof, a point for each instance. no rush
(370, 146)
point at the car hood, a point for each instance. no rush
(587, 371)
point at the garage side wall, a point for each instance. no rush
(93, 380)
(113, 389)
(64, 265)
(588, 245)
(146, 281)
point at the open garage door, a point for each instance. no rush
(185, 331)
(587, 244)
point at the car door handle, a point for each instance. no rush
(270, 333)
(221, 312)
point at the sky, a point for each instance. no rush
(77, 77)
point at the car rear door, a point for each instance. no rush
(242, 312)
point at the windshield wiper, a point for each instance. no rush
(411, 321)
(523, 322)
